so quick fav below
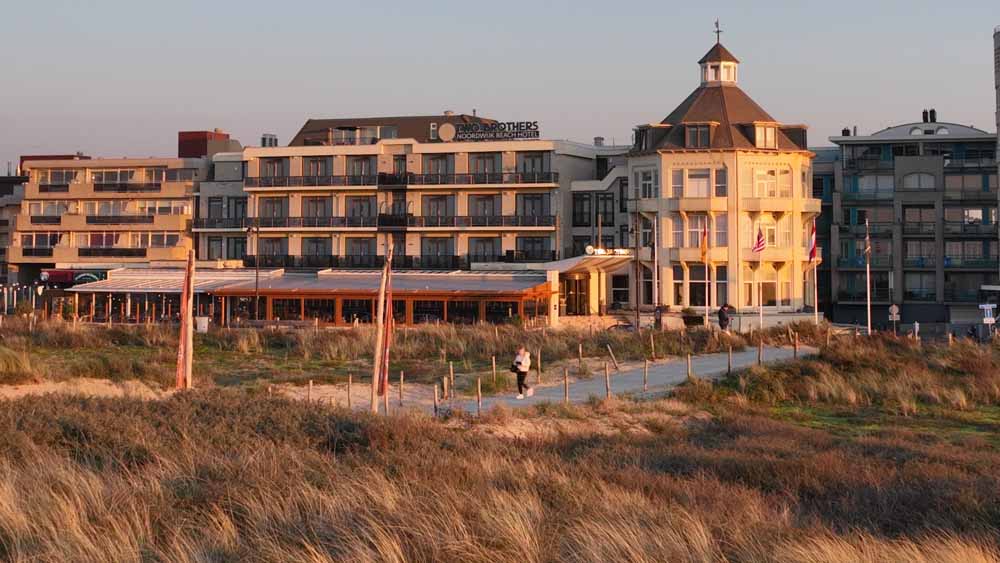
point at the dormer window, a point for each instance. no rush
(697, 136)
(765, 137)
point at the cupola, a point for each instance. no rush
(718, 67)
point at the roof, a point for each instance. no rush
(718, 53)
(728, 106)
(920, 131)
(241, 281)
(409, 126)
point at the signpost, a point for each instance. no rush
(988, 319)
(894, 316)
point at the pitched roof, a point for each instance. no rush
(409, 126)
(718, 53)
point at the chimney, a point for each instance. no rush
(845, 132)
(329, 136)
(925, 116)
(473, 112)
(933, 115)
(598, 141)
(855, 130)
(449, 113)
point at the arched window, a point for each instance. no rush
(919, 181)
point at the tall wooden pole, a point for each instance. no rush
(185, 345)
(379, 335)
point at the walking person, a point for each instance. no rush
(724, 318)
(522, 363)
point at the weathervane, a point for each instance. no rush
(718, 31)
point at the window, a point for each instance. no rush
(107, 208)
(619, 289)
(237, 207)
(765, 137)
(360, 165)
(439, 164)
(647, 232)
(273, 167)
(919, 286)
(484, 163)
(485, 247)
(318, 166)
(697, 135)
(677, 183)
(721, 285)
(433, 131)
(678, 284)
(360, 206)
(55, 177)
(438, 206)
(236, 248)
(273, 207)
(112, 176)
(316, 246)
(215, 248)
(695, 225)
(388, 132)
(766, 183)
(532, 205)
(533, 162)
(648, 182)
(605, 203)
(871, 183)
(154, 240)
(214, 207)
(40, 240)
(784, 183)
(966, 182)
(698, 183)
(918, 181)
(678, 230)
(623, 194)
(399, 164)
(785, 231)
(721, 182)
(316, 206)
(581, 210)
(721, 230)
(484, 205)
(52, 208)
(819, 187)
(272, 246)
(360, 246)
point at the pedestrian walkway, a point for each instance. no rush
(663, 375)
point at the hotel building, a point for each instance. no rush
(928, 191)
(719, 162)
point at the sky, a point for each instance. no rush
(120, 78)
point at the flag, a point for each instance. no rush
(868, 242)
(812, 243)
(387, 326)
(704, 241)
(761, 244)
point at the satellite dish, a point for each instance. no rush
(589, 249)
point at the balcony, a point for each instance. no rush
(970, 163)
(36, 252)
(111, 252)
(859, 262)
(963, 228)
(868, 164)
(920, 294)
(924, 228)
(873, 228)
(221, 223)
(961, 295)
(430, 262)
(45, 219)
(311, 222)
(884, 195)
(972, 195)
(484, 178)
(919, 262)
(310, 181)
(971, 262)
(460, 221)
(128, 187)
(53, 188)
(314, 261)
(879, 294)
(120, 219)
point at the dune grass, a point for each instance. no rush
(227, 475)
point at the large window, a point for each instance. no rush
(166, 207)
(360, 206)
(484, 205)
(606, 208)
(55, 177)
(677, 183)
(533, 162)
(784, 183)
(696, 223)
(678, 230)
(49, 208)
(721, 230)
(215, 248)
(919, 181)
(581, 210)
(765, 137)
(648, 183)
(154, 240)
(484, 163)
(765, 183)
(919, 286)
(236, 248)
(317, 166)
(215, 207)
(317, 206)
(532, 205)
(721, 182)
(697, 136)
(698, 183)
(40, 240)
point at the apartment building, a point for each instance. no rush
(928, 191)
(824, 179)
(220, 224)
(11, 192)
(450, 191)
(99, 214)
(720, 163)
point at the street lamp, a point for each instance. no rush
(254, 230)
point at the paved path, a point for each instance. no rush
(663, 375)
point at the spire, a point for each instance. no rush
(718, 31)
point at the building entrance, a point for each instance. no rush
(575, 294)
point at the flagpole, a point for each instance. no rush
(868, 276)
(816, 294)
(760, 298)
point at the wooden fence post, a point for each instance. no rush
(760, 352)
(607, 381)
(539, 367)
(309, 395)
(613, 359)
(349, 378)
(385, 395)
(828, 332)
(795, 346)
(565, 385)
(645, 375)
(652, 346)
(400, 388)
(493, 360)
(451, 373)
(479, 396)
(690, 373)
(579, 353)
(444, 389)
(436, 400)
(729, 368)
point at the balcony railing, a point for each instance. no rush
(920, 294)
(961, 227)
(986, 162)
(859, 261)
(111, 252)
(53, 188)
(922, 228)
(975, 194)
(221, 223)
(424, 262)
(960, 294)
(919, 261)
(311, 222)
(878, 294)
(128, 187)
(868, 164)
(36, 252)
(485, 178)
(46, 219)
(865, 195)
(119, 219)
(314, 261)
(971, 262)
(873, 228)
(310, 181)
(480, 221)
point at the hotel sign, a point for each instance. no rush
(501, 131)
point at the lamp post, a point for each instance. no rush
(254, 230)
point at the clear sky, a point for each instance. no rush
(121, 77)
